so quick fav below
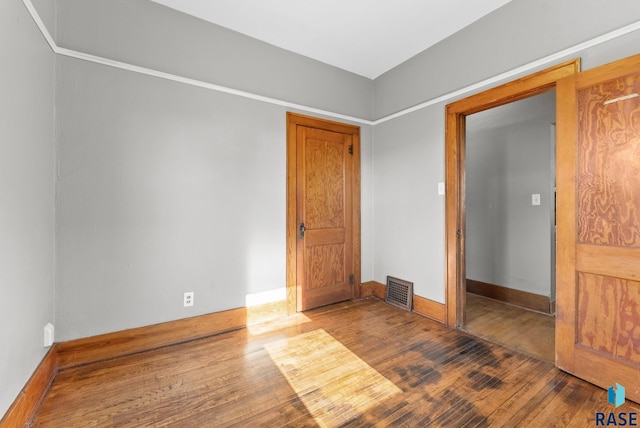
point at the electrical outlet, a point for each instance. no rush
(188, 299)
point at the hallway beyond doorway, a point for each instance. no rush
(520, 329)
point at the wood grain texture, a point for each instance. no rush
(454, 216)
(112, 345)
(566, 113)
(324, 179)
(374, 288)
(292, 224)
(325, 237)
(516, 328)
(429, 308)
(534, 302)
(295, 211)
(325, 266)
(608, 314)
(27, 402)
(119, 344)
(360, 363)
(262, 313)
(324, 206)
(608, 163)
(354, 387)
(589, 364)
(421, 305)
(527, 86)
(597, 296)
(609, 261)
(356, 245)
(324, 195)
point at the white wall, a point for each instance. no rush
(27, 171)
(151, 35)
(165, 188)
(108, 119)
(520, 32)
(507, 238)
(408, 151)
(408, 212)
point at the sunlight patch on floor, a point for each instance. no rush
(332, 382)
(266, 311)
(279, 322)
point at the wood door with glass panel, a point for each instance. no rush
(598, 262)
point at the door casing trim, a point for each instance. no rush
(293, 120)
(455, 145)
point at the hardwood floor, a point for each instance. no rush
(360, 363)
(516, 328)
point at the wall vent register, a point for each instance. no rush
(399, 293)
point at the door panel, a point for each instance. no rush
(608, 163)
(607, 316)
(324, 207)
(598, 312)
(324, 177)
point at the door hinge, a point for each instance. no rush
(351, 149)
(352, 279)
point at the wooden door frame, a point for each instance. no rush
(455, 163)
(293, 120)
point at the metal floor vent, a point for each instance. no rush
(399, 293)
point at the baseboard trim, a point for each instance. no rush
(430, 309)
(421, 305)
(374, 288)
(141, 339)
(92, 349)
(524, 299)
(28, 400)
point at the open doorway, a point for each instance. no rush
(510, 225)
(455, 154)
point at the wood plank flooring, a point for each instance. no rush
(354, 364)
(516, 328)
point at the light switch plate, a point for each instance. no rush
(535, 199)
(440, 188)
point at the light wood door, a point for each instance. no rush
(598, 262)
(327, 212)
